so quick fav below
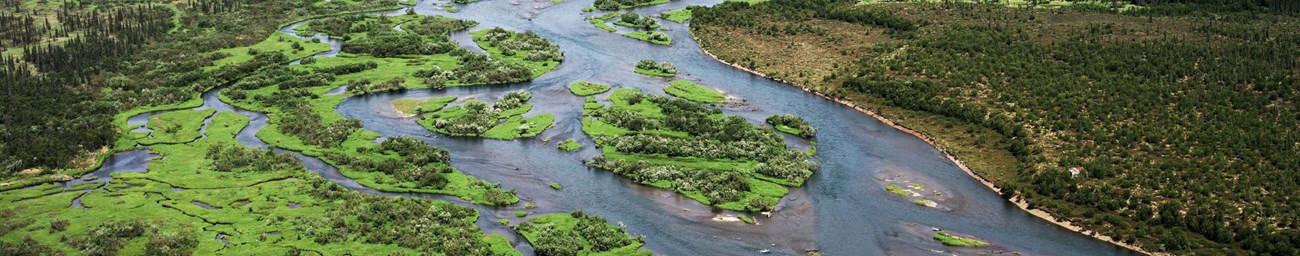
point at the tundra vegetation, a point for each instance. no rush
(672, 143)
(578, 233)
(1176, 153)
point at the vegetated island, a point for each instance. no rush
(477, 118)
(676, 144)
(577, 233)
(792, 124)
(650, 68)
(584, 88)
(677, 15)
(694, 92)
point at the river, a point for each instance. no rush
(842, 210)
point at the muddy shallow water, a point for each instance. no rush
(842, 210)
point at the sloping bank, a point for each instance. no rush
(1019, 202)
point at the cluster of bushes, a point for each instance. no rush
(548, 239)
(236, 158)
(651, 66)
(108, 238)
(365, 86)
(27, 246)
(470, 119)
(633, 20)
(792, 124)
(513, 99)
(337, 26)
(347, 68)
(392, 43)
(479, 69)
(423, 36)
(405, 158)
(511, 43)
(476, 117)
(437, 26)
(432, 227)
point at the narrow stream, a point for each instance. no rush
(842, 210)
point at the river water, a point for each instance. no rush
(842, 210)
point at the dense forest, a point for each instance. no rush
(1181, 116)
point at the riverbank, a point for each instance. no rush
(1042, 214)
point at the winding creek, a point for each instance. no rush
(842, 210)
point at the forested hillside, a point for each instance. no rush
(70, 66)
(1181, 117)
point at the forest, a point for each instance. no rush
(1181, 116)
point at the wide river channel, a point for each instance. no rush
(842, 210)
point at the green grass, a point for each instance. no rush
(599, 21)
(897, 190)
(584, 88)
(591, 105)
(418, 106)
(787, 129)
(389, 68)
(951, 240)
(514, 127)
(678, 15)
(917, 186)
(521, 214)
(645, 36)
(523, 108)
(745, 218)
(556, 186)
(694, 92)
(630, 25)
(654, 73)
(570, 145)
(175, 127)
